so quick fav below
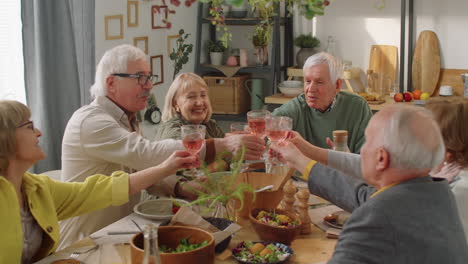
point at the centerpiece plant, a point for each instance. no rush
(220, 189)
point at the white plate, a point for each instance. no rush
(147, 208)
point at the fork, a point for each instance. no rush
(76, 254)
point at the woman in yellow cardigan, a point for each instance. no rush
(31, 205)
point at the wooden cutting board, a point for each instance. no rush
(426, 62)
(451, 77)
(383, 60)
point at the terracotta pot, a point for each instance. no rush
(271, 233)
(171, 236)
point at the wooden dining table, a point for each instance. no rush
(114, 248)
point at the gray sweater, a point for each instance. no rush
(413, 222)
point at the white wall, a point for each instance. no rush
(184, 18)
(357, 25)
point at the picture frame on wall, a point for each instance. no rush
(157, 67)
(132, 13)
(141, 43)
(159, 15)
(114, 27)
(171, 43)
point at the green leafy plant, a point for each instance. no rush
(307, 8)
(262, 35)
(220, 189)
(180, 54)
(215, 46)
(306, 41)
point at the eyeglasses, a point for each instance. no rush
(142, 79)
(28, 123)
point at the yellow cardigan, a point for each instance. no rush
(50, 201)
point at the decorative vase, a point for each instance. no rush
(231, 61)
(302, 56)
(261, 55)
(216, 58)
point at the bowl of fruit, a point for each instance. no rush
(275, 225)
(159, 209)
(250, 252)
(178, 244)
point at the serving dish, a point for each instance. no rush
(269, 232)
(151, 209)
(291, 88)
(171, 236)
(337, 219)
(244, 255)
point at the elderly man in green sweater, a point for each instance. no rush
(323, 107)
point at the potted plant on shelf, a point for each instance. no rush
(216, 50)
(307, 44)
(260, 39)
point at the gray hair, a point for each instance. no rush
(334, 65)
(114, 60)
(413, 139)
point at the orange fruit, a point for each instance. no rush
(417, 94)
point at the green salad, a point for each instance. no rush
(261, 252)
(183, 246)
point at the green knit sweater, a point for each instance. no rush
(171, 129)
(350, 112)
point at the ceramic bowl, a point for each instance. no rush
(170, 236)
(272, 233)
(287, 250)
(291, 88)
(149, 208)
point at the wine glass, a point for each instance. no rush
(239, 128)
(257, 123)
(193, 138)
(277, 130)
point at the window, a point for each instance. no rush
(11, 52)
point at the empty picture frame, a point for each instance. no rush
(132, 13)
(114, 27)
(171, 43)
(159, 16)
(141, 43)
(157, 67)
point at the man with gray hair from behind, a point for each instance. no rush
(399, 213)
(104, 137)
(323, 107)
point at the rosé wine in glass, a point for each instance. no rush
(193, 138)
(193, 145)
(278, 128)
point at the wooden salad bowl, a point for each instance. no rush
(170, 236)
(272, 233)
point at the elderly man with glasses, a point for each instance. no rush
(324, 108)
(104, 137)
